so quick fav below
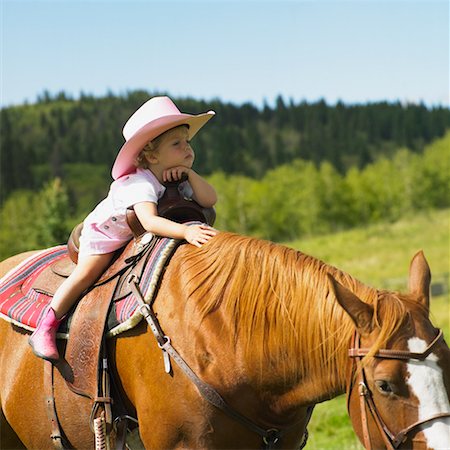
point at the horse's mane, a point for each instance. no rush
(281, 304)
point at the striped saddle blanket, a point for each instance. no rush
(27, 289)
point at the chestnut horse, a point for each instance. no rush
(269, 328)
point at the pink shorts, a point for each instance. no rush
(95, 242)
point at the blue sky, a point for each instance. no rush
(246, 50)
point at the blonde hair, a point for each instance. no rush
(151, 148)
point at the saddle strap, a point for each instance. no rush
(56, 435)
(104, 401)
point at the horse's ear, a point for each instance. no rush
(420, 278)
(361, 313)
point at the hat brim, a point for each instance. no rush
(124, 163)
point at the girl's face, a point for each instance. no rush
(174, 150)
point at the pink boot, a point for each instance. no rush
(43, 340)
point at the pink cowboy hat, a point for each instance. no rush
(153, 118)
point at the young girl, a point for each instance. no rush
(157, 149)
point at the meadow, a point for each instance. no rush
(379, 255)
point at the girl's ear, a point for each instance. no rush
(152, 158)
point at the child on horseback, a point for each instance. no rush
(157, 149)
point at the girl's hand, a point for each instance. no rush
(175, 173)
(199, 234)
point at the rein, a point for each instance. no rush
(270, 436)
(391, 440)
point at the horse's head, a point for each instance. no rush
(399, 386)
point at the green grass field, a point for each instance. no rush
(379, 255)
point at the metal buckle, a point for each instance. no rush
(167, 341)
(363, 389)
(123, 417)
(272, 436)
(145, 307)
(166, 356)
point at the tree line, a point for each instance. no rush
(58, 134)
(303, 199)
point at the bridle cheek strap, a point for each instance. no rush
(365, 400)
(391, 440)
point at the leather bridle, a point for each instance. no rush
(392, 440)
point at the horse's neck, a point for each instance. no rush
(296, 349)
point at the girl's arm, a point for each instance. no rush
(147, 214)
(204, 193)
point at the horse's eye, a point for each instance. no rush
(384, 386)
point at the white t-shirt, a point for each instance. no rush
(106, 229)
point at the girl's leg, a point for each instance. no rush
(87, 271)
(89, 268)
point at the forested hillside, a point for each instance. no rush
(38, 141)
(281, 173)
(303, 199)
